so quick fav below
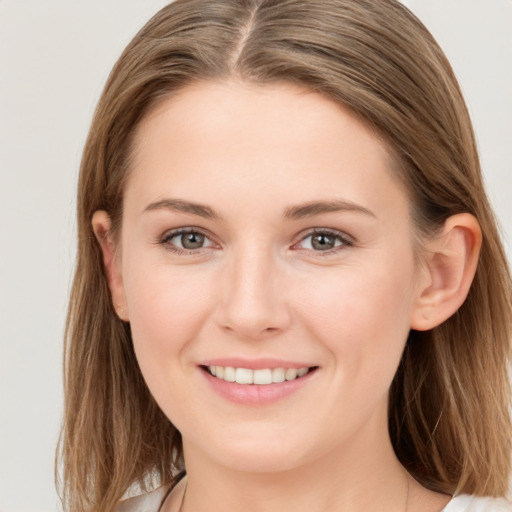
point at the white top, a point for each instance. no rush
(149, 502)
(463, 503)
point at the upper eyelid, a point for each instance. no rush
(335, 232)
(170, 233)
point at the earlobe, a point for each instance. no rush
(450, 264)
(101, 225)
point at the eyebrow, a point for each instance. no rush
(179, 205)
(297, 212)
(318, 207)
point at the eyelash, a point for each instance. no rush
(169, 235)
(346, 241)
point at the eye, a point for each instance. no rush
(185, 240)
(324, 240)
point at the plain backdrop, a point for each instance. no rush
(54, 58)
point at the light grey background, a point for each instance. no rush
(54, 58)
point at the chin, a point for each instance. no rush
(255, 453)
(260, 462)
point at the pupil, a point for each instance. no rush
(322, 242)
(192, 240)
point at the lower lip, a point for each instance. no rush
(256, 394)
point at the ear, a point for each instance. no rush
(449, 268)
(101, 224)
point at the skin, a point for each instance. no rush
(259, 288)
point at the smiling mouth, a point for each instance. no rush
(262, 376)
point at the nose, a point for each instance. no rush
(253, 305)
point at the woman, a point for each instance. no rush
(290, 284)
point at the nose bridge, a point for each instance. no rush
(253, 304)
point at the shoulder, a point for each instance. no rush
(466, 503)
(149, 502)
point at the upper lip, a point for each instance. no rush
(254, 364)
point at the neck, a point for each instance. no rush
(362, 478)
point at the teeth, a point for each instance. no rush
(229, 374)
(278, 375)
(262, 377)
(243, 376)
(291, 373)
(301, 372)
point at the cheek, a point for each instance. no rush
(362, 316)
(167, 308)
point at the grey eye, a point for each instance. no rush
(191, 240)
(188, 240)
(323, 241)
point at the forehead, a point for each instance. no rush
(255, 112)
(277, 139)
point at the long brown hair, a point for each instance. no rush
(449, 407)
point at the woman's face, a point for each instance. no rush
(263, 236)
